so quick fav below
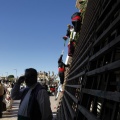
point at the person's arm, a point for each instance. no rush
(66, 65)
(44, 104)
(16, 92)
(60, 59)
(68, 33)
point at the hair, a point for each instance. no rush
(31, 72)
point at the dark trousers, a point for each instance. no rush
(61, 76)
(1, 105)
(71, 48)
(77, 25)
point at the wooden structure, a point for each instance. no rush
(92, 90)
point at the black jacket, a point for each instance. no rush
(61, 64)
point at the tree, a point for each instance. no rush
(11, 77)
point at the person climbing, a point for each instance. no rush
(70, 34)
(72, 42)
(61, 68)
(74, 32)
(76, 21)
(68, 30)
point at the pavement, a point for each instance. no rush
(12, 113)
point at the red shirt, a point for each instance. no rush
(61, 69)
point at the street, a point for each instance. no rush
(12, 114)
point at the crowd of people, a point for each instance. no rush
(5, 98)
(34, 98)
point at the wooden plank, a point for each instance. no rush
(114, 113)
(108, 31)
(113, 43)
(82, 63)
(72, 97)
(114, 96)
(110, 67)
(82, 53)
(112, 11)
(87, 113)
(69, 107)
(74, 86)
(65, 110)
(62, 112)
(76, 76)
(58, 115)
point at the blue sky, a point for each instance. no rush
(31, 34)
